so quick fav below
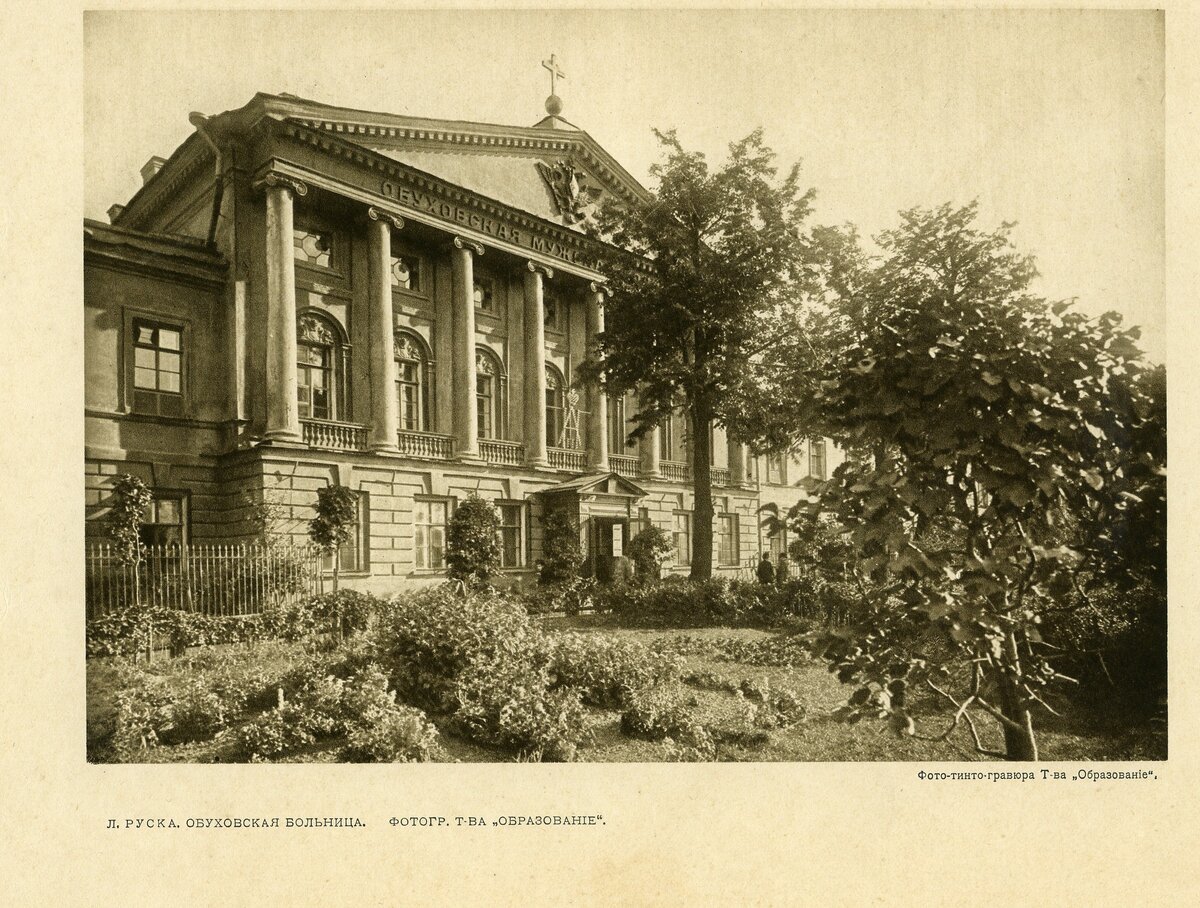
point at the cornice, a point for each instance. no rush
(178, 169)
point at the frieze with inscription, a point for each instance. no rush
(457, 214)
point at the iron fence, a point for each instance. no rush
(219, 580)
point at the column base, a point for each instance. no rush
(284, 440)
(383, 449)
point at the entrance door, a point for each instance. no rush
(608, 538)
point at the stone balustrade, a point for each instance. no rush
(426, 444)
(334, 436)
(720, 476)
(508, 453)
(673, 470)
(567, 459)
(623, 464)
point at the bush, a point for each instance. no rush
(401, 734)
(281, 730)
(609, 672)
(562, 554)
(472, 552)
(568, 598)
(660, 713)
(650, 550)
(481, 662)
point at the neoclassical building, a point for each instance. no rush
(304, 294)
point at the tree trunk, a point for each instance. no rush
(337, 612)
(1019, 743)
(702, 511)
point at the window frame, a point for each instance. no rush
(815, 445)
(555, 413)
(776, 476)
(553, 304)
(448, 503)
(424, 382)
(729, 519)
(522, 528)
(616, 420)
(496, 411)
(487, 305)
(339, 352)
(167, 404)
(183, 498)
(400, 251)
(307, 223)
(686, 558)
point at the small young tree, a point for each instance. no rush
(130, 499)
(472, 549)
(649, 550)
(337, 514)
(562, 555)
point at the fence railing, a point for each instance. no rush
(223, 580)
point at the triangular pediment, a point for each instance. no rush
(552, 170)
(598, 484)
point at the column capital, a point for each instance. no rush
(378, 214)
(535, 267)
(273, 180)
(602, 289)
(460, 243)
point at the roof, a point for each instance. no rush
(590, 482)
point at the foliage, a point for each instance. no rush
(333, 525)
(127, 509)
(661, 713)
(570, 597)
(991, 469)
(649, 550)
(472, 548)
(562, 554)
(400, 735)
(680, 602)
(608, 671)
(483, 664)
(718, 249)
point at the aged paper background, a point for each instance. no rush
(748, 834)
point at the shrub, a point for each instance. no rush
(481, 662)
(660, 713)
(569, 598)
(680, 602)
(608, 671)
(274, 733)
(650, 550)
(401, 734)
(472, 552)
(562, 554)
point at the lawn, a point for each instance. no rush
(717, 663)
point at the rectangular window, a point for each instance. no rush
(165, 520)
(406, 273)
(511, 535)
(157, 368)
(642, 523)
(313, 246)
(775, 469)
(816, 459)
(683, 537)
(485, 298)
(352, 556)
(429, 534)
(616, 425)
(485, 406)
(552, 314)
(727, 539)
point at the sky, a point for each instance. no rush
(1051, 119)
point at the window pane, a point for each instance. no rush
(168, 339)
(168, 510)
(437, 512)
(437, 547)
(145, 378)
(143, 358)
(168, 362)
(169, 381)
(145, 335)
(420, 543)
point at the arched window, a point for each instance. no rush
(555, 406)
(412, 382)
(489, 390)
(320, 353)
(616, 424)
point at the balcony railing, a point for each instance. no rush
(566, 459)
(720, 476)
(425, 444)
(623, 464)
(334, 436)
(509, 453)
(673, 470)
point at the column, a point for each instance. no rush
(598, 402)
(535, 365)
(385, 408)
(466, 427)
(648, 452)
(738, 461)
(283, 415)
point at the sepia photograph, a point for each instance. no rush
(631, 386)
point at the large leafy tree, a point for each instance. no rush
(1005, 451)
(693, 273)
